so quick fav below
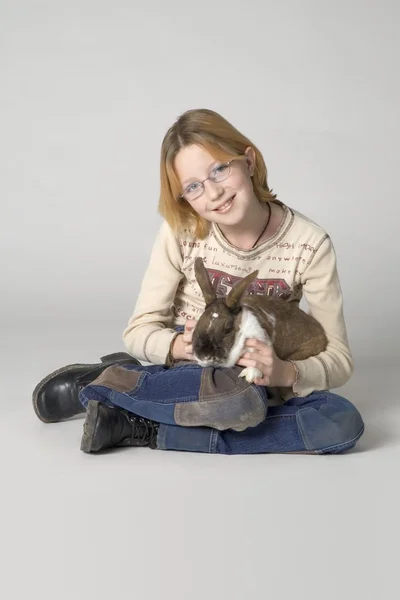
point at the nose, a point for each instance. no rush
(214, 189)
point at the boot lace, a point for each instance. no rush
(144, 431)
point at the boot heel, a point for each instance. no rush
(115, 357)
(89, 426)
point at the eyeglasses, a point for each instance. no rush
(219, 173)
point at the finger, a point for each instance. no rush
(189, 349)
(265, 369)
(190, 325)
(253, 343)
(249, 362)
(261, 380)
(265, 359)
(260, 347)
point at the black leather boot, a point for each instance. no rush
(56, 397)
(108, 427)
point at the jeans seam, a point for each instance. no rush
(343, 444)
(212, 448)
(303, 433)
(186, 367)
(153, 402)
(138, 383)
(279, 417)
(181, 399)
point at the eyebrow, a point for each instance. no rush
(193, 179)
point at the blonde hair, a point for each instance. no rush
(217, 136)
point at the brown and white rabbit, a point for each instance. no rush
(220, 334)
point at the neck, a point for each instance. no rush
(244, 234)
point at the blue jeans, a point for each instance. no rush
(212, 410)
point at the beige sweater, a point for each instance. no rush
(298, 260)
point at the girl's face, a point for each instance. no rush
(224, 202)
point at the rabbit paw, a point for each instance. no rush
(250, 374)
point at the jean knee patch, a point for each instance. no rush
(336, 423)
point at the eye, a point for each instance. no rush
(221, 168)
(193, 187)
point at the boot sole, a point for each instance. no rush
(89, 426)
(109, 360)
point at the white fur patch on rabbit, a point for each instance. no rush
(249, 328)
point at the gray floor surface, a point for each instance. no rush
(139, 523)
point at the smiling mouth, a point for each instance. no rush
(224, 207)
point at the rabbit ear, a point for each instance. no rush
(239, 290)
(204, 281)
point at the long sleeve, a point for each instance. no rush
(149, 333)
(322, 291)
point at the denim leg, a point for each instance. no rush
(186, 395)
(151, 395)
(321, 423)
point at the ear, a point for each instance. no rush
(204, 281)
(250, 159)
(239, 290)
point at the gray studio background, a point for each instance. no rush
(87, 91)
(90, 88)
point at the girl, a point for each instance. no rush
(217, 204)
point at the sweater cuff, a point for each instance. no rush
(157, 346)
(308, 378)
(295, 386)
(169, 361)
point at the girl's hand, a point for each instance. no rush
(187, 337)
(182, 348)
(276, 372)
